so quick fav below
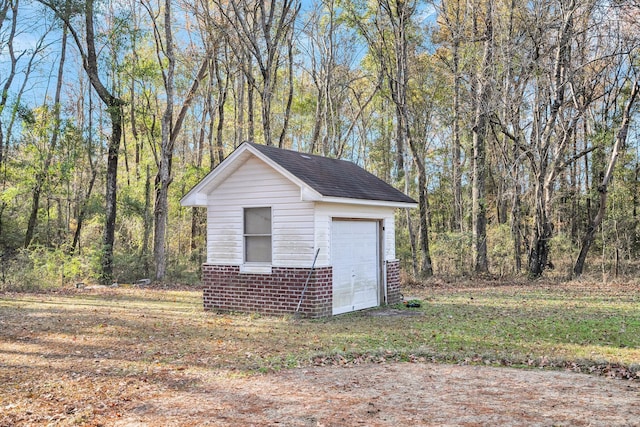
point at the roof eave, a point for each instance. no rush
(195, 200)
(368, 202)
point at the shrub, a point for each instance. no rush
(450, 253)
(40, 268)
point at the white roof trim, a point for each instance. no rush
(367, 202)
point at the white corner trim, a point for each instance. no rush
(309, 195)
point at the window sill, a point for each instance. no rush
(255, 269)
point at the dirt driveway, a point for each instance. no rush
(397, 394)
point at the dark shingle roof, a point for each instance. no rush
(333, 177)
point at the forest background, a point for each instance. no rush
(514, 124)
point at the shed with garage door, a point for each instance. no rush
(294, 232)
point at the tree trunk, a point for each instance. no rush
(543, 231)
(163, 178)
(539, 252)
(412, 244)
(111, 194)
(250, 108)
(551, 141)
(83, 212)
(266, 111)
(287, 111)
(209, 134)
(479, 131)
(239, 109)
(515, 229)
(147, 223)
(317, 124)
(426, 267)
(456, 165)
(169, 132)
(83, 202)
(161, 214)
(113, 105)
(222, 100)
(516, 210)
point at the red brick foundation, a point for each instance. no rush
(393, 282)
(226, 289)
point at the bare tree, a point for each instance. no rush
(84, 196)
(222, 70)
(42, 176)
(340, 97)
(261, 29)
(18, 112)
(5, 7)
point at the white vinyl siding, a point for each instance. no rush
(255, 184)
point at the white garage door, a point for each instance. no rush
(354, 256)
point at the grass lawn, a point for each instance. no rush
(102, 347)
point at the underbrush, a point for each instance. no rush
(39, 269)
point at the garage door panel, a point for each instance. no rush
(355, 265)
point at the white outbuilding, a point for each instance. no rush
(289, 231)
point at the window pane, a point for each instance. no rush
(257, 221)
(257, 234)
(258, 248)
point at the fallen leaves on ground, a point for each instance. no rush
(126, 356)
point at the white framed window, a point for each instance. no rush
(257, 235)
